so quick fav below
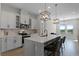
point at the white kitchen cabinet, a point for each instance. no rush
(4, 44)
(17, 42)
(8, 20)
(11, 20)
(0, 44)
(8, 16)
(24, 17)
(29, 47)
(4, 18)
(0, 14)
(0, 25)
(9, 43)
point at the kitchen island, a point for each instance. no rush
(34, 45)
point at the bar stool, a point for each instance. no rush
(54, 48)
(63, 41)
(63, 45)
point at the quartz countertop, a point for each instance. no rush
(37, 38)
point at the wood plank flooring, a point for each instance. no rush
(15, 52)
(71, 48)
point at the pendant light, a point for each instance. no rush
(45, 14)
(56, 20)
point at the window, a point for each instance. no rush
(62, 28)
(70, 29)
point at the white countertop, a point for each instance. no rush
(37, 38)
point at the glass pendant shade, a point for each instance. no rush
(44, 15)
(56, 21)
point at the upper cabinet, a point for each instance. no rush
(16, 18)
(8, 17)
(24, 17)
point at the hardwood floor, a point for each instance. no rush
(15, 52)
(71, 49)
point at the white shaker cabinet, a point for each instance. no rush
(0, 44)
(17, 42)
(11, 20)
(0, 14)
(8, 16)
(4, 18)
(9, 43)
(0, 25)
(8, 20)
(4, 44)
(24, 18)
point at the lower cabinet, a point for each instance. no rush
(17, 42)
(4, 44)
(9, 43)
(0, 46)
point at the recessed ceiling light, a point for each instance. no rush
(49, 7)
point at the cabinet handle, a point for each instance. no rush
(15, 41)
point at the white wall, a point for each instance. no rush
(51, 27)
(35, 23)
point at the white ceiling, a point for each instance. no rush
(65, 10)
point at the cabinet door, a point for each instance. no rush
(0, 44)
(8, 19)
(4, 44)
(10, 44)
(12, 20)
(24, 18)
(0, 13)
(29, 48)
(17, 42)
(4, 18)
(27, 19)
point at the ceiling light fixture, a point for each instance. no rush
(45, 14)
(56, 20)
(49, 7)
